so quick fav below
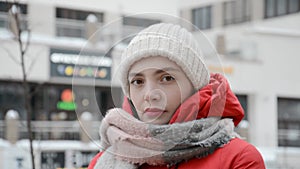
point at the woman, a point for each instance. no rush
(176, 114)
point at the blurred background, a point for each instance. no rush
(258, 42)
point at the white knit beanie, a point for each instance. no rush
(166, 40)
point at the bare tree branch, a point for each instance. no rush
(32, 63)
(15, 13)
(11, 55)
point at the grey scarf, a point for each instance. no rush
(128, 143)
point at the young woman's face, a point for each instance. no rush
(157, 87)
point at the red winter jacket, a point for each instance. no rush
(216, 99)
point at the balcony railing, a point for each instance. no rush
(54, 130)
(71, 28)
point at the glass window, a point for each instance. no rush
(5, 7)
(201, 17)
(11, 97)
(236, 11)
(243, 100)
(140, 22)
(76, 14)
(243, 126)
(289, 122)
(228, 10)
(270, 5)
(71, 23)
(247, 9)
(275, 8)
(50, 100)
(294, 6)
(133, 25)
(281, 7)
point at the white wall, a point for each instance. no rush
(36, 62)
(41, 17)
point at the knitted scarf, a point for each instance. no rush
(128, 143)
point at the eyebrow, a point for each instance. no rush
(165, 69)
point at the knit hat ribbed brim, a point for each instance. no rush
(166, 40)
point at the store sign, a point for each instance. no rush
(71, 64)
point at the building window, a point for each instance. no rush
(201, 17)
(243, 126)
(139, 22)
(4, 9)
(243, 99)
(289, 122)
(133, 25)
(294, 6)
(11, 97)
(237, 11)
(275, 8)
(71, 23)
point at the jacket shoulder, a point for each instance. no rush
(246, 155)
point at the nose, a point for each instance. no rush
(152, 93)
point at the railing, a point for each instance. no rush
(54, 130)
(70, 130)
(77, 29)
(71, 28)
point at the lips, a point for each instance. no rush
(153, 112)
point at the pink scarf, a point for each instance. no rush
(129, 143)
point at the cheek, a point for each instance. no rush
(174, 97)
(185, 90)
(136, 98)
(177, 95)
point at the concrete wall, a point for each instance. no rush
(36, 60)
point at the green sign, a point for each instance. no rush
(66, 105)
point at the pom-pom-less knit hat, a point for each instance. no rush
(170, 41)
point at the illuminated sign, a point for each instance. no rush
(81, 59)
(67, 103)
(72, 64)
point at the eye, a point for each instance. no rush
(167, 78)
(137, 82)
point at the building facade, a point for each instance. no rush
(75, 48)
